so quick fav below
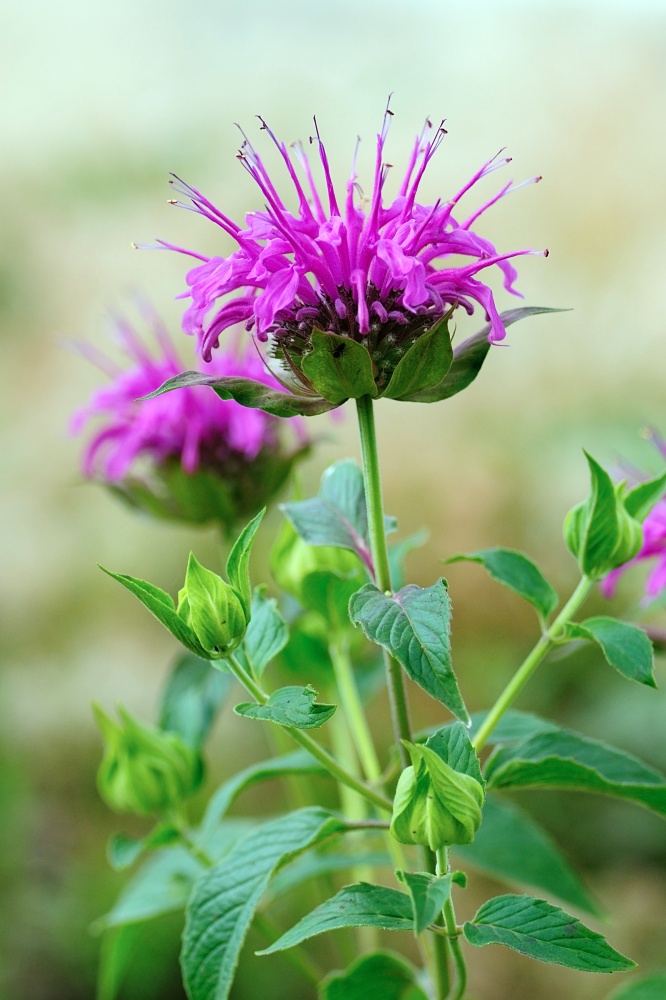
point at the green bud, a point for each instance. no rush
(600, 532)
(144, 770)
(434, 805)
(212, 609)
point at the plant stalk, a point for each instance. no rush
(452, 931)
(373, 497)
(531, 662)
(313, 748)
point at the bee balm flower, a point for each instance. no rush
(344, 286)
(187, 455)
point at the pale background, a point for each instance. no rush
(99, 102)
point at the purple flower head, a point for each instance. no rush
(184, 441)
(375, 271)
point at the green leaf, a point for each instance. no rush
(191, 699)
(116, 951)
(540, 930)
(238, 563)
(413, 626)
(247, 392)
(359, 905)
(511, 846)
(338, 515)
(291, 706)
(339, 368)
(646, 988)
(562, 759)
(429, 893)
(267, 634)
(517, 572)
(378, 976)
(424, 365)
(161, 605)
(639, 501)
(225, 898)
(161, 885)
(513, 726)
(123, 851)
(469, 357)
(298, 762)
(626, 647)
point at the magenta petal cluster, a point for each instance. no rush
(192, 426)
(363, 267)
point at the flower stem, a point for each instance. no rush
(373, 496)
(452, 931)
(313, 748)
(531, 662)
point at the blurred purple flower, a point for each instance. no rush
(187, 455)
(380, 273)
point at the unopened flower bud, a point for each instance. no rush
(212, 609)
(144, 770)
(434, 805)
(600, 532)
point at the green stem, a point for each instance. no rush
(532, 661)
(452, 931)
(373, 496)
(438, 943)
(313, 748)
(353, 709)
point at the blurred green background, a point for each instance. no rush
(101, 101)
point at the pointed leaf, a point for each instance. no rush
(424, 365)
(562, 759)
(639, 501)
(359, 905)
(648, 988)
(469, 356)
(339, 368)
(238, 563)
(378, 976)
(225, 898)
(323, 862)
(542, 931)
(429, 893)
(191, 699)
(517, 572)
(291, 706)
(247, 392)
(161, 885)
(267, 634)
(511, 846)
(625, 646)
(413, 626)
(338, 515)
(161, 605)
(299, 762)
